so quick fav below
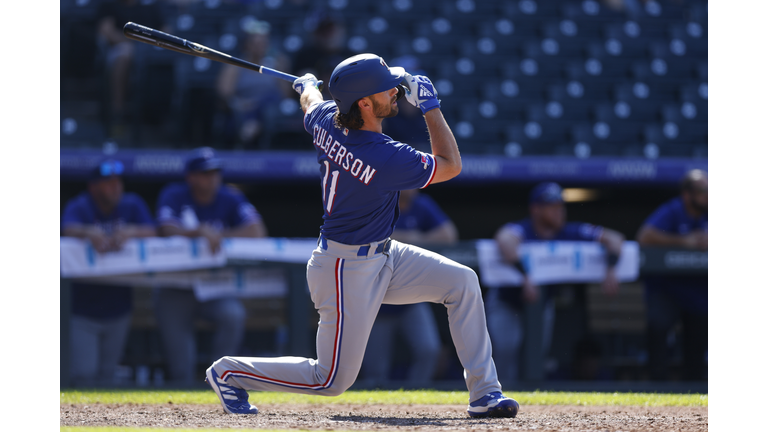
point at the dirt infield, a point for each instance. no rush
(388, 417)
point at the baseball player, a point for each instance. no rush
(356, 266)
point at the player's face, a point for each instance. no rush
(204, 184)
(699, 196)
(551, 215)
(108, 191)
(385, 104)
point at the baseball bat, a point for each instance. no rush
(151, 36)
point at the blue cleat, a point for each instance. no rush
(233, 399)
(493, 405)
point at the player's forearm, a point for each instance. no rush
(80, 231)
(254, 230)
(649, 236)
(139, 231)
(612, 240)
(310, 96)
(169, 230)
(444, 146)
(444, 234)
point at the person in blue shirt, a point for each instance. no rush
(678, 223)
(201, 207)
(101, 314)
(547, 222)
(422, 222)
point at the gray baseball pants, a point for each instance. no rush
(347, 285)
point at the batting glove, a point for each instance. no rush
(302, 82)
(421, 93)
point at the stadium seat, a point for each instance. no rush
(669, 143)
(529, 10)
(693, 34)
(588, 11)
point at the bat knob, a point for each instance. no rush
(320, 85)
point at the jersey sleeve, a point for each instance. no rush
(140, 214)
(316, 112)
(432, 216)
(581, 231)
(408, 168)
(243, 212)
(661, 219)
(168, 209)
(73, 215)
(515, 229)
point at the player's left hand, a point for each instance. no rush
(421, 93)
(304, 81)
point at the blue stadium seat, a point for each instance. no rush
(81, 133)
(564, 113)
(532, 138)
(687, 115)
(669, 141)
(529, 10)
(639, 91)
(568, 28)
(696, 93)
(556, 51)
(603, 132)
(693, 34)
(669, 73)
(588, 12)
(511, 93)
(613, 63)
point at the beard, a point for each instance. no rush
(385, 111)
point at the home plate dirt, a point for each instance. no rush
(388, 417)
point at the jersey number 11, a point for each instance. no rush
(331, 194)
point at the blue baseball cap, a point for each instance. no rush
(203, 159)
(546, 193)
(106, 169)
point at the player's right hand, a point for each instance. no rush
(530, 291)
(421, 93)
(302, 82)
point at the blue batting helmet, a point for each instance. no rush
(360, 76)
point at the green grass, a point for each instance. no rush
(397, 397)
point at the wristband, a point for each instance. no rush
(612, 259)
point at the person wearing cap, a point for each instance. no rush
(245, 95)
(106, 217)
(547, 222)
(201, 207)
(681, 222)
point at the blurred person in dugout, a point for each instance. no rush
(421, 222)
(246, 95)
(671, 300)
(101, 314)
(118, 51)
(326, 49)
(201, 207)
(547, 222)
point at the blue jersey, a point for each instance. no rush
(672, 218)
(571, 231)
(82, 210)
(229, 209)
(362, 173)
(690, 292)
(99, 301)
(423, 215)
